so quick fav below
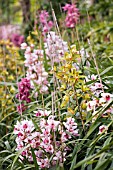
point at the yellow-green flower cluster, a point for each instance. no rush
(72, 81)
(10, 69)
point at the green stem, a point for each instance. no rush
(79, 109)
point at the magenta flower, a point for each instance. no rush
(17, 39)
(24, 88)
(66, 7)
(24, 94)
(72, 15)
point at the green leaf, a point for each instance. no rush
(17, 155)
(34, 159)
(106, 70)
(83, 161)
(92, 128)
(102, 165)
(8, 145)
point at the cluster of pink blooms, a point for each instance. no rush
(72, 15)
(101, 98)
(36, 72)
(46, 25)
(55, 47)
(97, 90)
(95, 87)
(105, 98)
(11, 32)
(50, 140)
(6, 31)
(24, 87)
(71, 129)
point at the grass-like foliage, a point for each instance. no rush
(56, 90)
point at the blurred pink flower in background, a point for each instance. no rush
(11, 32)
(55, 47)
(72, 15)
(17, 39)
(43, 17)
(6, 31)
(46, 24)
